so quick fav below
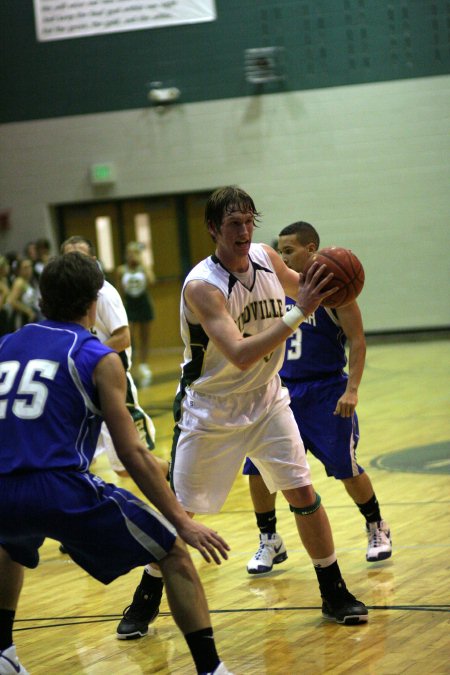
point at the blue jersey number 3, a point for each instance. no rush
(294, 349)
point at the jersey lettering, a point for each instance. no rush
(260, 309)
(294, 348)
(32, 394)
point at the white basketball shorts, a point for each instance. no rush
(218, 432)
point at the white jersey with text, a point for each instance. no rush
(254, 307)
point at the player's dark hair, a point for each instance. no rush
(226, 200)
(69, 284)
(78, 239)
(304, 232)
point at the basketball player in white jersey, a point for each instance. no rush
(111, 328)
(230, 401)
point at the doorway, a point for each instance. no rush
(172, 233)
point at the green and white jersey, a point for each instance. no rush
(134, 281)
(254, 304)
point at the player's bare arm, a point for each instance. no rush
(18, 288)
(289, 279)
(142, 466)
(306, 289)
(120, 339)
(208, 305)
(352, 325)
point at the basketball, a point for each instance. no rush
(348, 274)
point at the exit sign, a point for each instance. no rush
(102, 174)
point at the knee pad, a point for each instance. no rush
(306, 510)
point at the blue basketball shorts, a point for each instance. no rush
(106, 530)
(330, 438)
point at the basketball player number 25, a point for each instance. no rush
(294, 349)
(31, 394)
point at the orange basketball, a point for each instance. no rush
(348, 274)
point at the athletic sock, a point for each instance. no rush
(267, 522)
(6, 627)
(370, 510)
(327, 578)
(151, 581)
(203, 650)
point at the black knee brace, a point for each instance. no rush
(306, 510)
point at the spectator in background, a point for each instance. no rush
(23, 297)
(30, 252)
(4, 292)
(42, 256)
(13, 259)
(134, 280)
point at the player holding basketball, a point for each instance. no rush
(58, 382)
(323, 400)
(230, 400)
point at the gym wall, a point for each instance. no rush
(354, 138)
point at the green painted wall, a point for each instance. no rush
(325, 43)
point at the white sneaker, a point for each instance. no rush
(271, 552)
(221, 670)
(10, 664)
(380, 542)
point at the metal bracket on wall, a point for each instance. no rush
(162, 97)
(264, 64)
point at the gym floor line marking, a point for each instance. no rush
(81, 620)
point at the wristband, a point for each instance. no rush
(293, 318)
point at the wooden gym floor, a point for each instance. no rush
(271, 626)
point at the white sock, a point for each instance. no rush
(153, 571)
(324, 562)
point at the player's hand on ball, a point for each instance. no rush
(314, 288)
(348, 274)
